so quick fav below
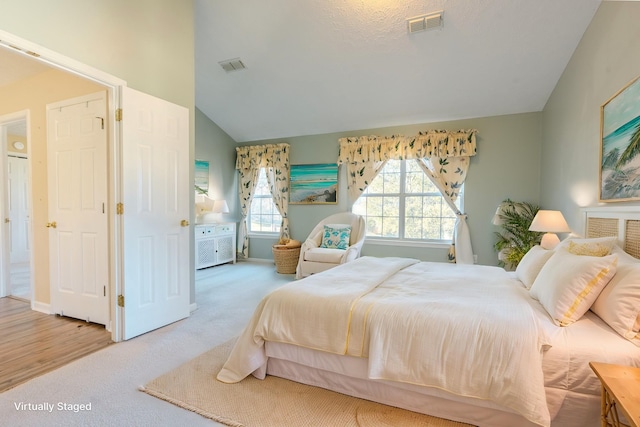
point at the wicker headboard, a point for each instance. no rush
(620, 222)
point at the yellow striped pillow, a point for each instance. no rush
(568, 284)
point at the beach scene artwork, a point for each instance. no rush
(313, 184)
(620, 157)
(201, 176)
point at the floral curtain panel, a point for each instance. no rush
(448, 175)
(275, 159)
(443, 155)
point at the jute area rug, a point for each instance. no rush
(272, 402)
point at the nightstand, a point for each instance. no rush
(620, 389)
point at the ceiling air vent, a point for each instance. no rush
(425, 22)
(234, 64)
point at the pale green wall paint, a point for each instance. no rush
(605, 61)
(507, 165)
(219, 149)
(147, 43)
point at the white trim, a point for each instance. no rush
(407, 243)
(259, 260)
(113, 85)
(254, 235)
(193, 307)
(41, 307)
(56, 60)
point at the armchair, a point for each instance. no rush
(314, 259)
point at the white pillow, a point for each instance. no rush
(619, 302)
(531, 264)
(568, 284)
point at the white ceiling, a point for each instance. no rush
(337, 65)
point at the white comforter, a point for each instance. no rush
(464, 329)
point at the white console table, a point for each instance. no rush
(215, 244)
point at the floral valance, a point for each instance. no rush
(261, 156)
(439, 143)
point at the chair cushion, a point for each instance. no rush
(332, 256)
(336, 236)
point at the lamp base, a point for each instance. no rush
(549, 240)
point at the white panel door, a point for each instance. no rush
(18, 210)
(78, 222)
(156, 190)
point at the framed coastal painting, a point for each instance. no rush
(201, 176)
(620, 145)
(313, 184)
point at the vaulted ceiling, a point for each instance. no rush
(325, 66)
(335, 65)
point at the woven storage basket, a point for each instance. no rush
(286, 259)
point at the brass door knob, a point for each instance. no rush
(52, 224)
(184, 223)
(7, 220)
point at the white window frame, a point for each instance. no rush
(401, 240)
(258, 197)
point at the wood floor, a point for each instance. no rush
(34, 343)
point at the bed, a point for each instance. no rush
(466, 343)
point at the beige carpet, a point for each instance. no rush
(274, 401)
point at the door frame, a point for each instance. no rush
(5, 262)
(113, 86)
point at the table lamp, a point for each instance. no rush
(549, 222)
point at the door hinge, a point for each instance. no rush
(120, 300)
(120, 209)
(104, 291)
(119, 115)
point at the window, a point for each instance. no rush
(402, 203)
(263, 214)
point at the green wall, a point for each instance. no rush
(219, 149)
(604, 62)
(496, 172)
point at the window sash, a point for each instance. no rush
(445, 220)
(263, 209)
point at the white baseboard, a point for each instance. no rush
(193, 307)
(260, 260)
(41, 307)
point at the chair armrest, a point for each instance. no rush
(310, 243)
(350, 254)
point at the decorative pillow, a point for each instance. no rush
(590, 249)
(588, 244)
(531, 264)
(619, 302)
(568, 284)
(336, 236)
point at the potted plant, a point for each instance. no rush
(515, 239)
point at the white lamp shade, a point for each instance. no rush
(549, 221)
(204, 203)
(220, 206)
(497, 220)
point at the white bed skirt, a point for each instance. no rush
(347, 375)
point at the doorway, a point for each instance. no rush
(134, 294)
(16, 215)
